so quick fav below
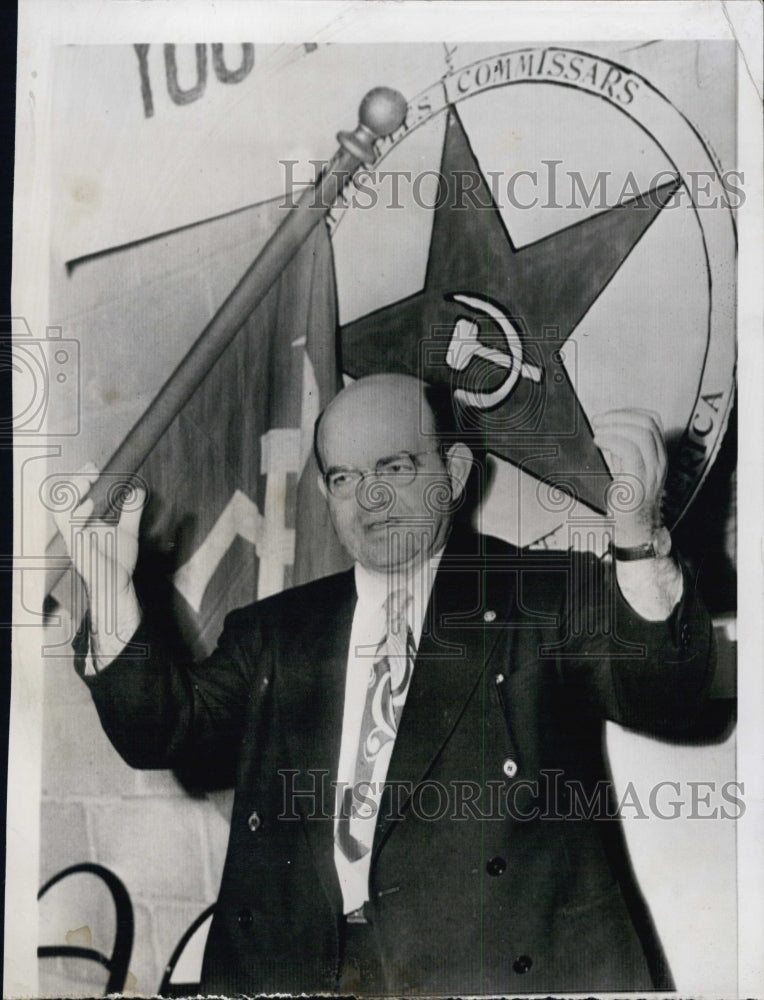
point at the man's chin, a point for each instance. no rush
(385, 556)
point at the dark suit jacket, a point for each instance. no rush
(495, 867)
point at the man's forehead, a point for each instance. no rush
(375, 418)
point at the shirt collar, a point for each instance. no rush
(373, 588)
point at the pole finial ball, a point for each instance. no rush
(383, 110)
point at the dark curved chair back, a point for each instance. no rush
(168, 988)
(118, 962)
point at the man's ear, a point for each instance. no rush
(321, 486)
(458, 465)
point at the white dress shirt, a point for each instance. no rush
(368, 629)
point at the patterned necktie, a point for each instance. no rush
(389, 677)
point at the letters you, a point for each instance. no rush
(187, 95)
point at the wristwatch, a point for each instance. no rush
(658, 546)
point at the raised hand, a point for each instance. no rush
(104, 554)
(634, 449)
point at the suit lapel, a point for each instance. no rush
(312, 702)
(464, 622)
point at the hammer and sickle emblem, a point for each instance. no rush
(464, 346)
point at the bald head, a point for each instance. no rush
(376, 412)
(368, 428)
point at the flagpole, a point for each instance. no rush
(381, 112)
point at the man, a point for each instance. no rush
(417, 743)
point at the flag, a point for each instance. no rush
(234, 511)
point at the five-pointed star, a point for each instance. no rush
(475, 275)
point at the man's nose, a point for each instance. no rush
(376, 492)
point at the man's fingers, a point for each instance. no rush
(79, 484)
(628, 462)
(631, 414)
(633, 448)
(130, 519)
(68, 521)
(101, 574)
(85, 511)
(625, 449)
(103, 552)
(632, 431)
(84, 479)
(646, 420)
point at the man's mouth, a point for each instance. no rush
(386, 525)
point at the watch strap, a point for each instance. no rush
(658, 546)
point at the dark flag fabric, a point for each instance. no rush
(234, 510)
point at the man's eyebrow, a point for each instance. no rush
(380, 461)
(340, 468)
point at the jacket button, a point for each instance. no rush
(496, 866)
(522, 964)
(489, 616)
(685, 635)
(254, 822)
(244, 918)
(509, 767)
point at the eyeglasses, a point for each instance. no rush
(402, 469)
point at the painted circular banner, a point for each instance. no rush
(550, 235)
